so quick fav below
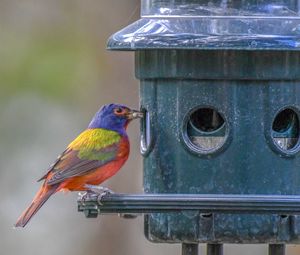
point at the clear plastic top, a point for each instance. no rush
(202, 8)
(213, 24)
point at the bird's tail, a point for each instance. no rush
(40, 198)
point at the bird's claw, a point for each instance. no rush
(100, 191)
(84, 196)
(101, 196)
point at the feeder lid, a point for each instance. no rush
(219, 24)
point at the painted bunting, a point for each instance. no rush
(94, 156)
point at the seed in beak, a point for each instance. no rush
(137, 114)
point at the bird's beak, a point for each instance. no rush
(134, 114)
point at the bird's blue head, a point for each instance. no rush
(114, 117)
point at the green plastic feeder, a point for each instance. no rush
(219, 84)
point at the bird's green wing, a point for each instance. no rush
(90, 150)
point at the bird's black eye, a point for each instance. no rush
(119, 111)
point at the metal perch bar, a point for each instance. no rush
(157, 203)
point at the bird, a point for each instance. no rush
(92, 157)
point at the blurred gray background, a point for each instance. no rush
(54, 75)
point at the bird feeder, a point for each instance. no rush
(219, 85)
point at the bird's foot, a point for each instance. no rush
(88, 195)
(99, 191)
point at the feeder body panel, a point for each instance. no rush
(252, 150)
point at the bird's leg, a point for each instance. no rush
(99, 191)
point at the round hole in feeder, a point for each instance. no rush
(285, 129)
(206, 129)
(206, 120)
